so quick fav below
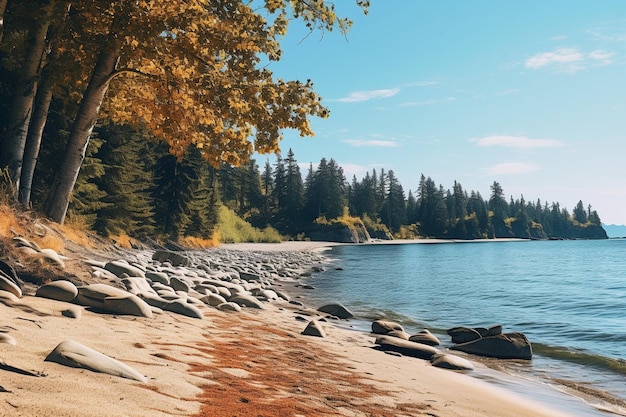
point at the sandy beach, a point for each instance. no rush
(252, 362)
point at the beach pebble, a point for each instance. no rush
(76, 355)
(128, 305)
(229, 307)
(336, 310)
(61, 290)
(314, 329)
(123, 267)
(453, 362)
(245, 300)
(401, 334)
(463, 334)
(213, 299)
(385, 326)
(181, 307)
(418, 350)
(425, 337)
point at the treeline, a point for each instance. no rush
(131, 184)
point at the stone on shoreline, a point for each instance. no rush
(245, 300)
(61, 290)
(314, 329)
(8, 284)
(71, 353)
(417, 350)
(181, 307)
(123, 267)
(454, 362)
(385, 326)
(337, 310)
(128, 305)
(425, 337)
(502, 346)
(463, 334)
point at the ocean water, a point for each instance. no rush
(568, 297)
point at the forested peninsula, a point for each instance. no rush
(139, 120)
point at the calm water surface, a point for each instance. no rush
(568, 297)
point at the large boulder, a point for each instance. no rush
(502, 346)
(8, 280)
(61, 290)
(70, 353)
(385, 326)
(405, 347)
(337, 310)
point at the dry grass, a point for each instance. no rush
(199, 243)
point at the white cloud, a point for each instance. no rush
(508, 92)
(517, 142)
(358, 143)
(428, 102)
(512, 168)
(421, 84)
(358, 96)
(569, 59)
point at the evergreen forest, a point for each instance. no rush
(140, 119)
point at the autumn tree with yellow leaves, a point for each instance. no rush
(187, 71)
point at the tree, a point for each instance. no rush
(164, 61)
(394, 206)
(579, 213)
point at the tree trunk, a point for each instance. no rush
(61, 191)
(3, 6)
(17, 127)
(33, 140)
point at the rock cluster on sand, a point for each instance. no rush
(165, 282)
(491, 342)
(393, 338)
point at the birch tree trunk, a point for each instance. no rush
(14, 141)
(60, 193)
(33, 139)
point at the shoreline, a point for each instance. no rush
(229, 363)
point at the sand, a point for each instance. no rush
(249, 363)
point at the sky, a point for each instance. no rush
(529, 94)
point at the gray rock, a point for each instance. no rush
(245, 300)
(129, 305)
(58, 290)
(8, 296)
(401, 334)
(385, 326)
(180, 307)
(503, 346)
(453, 362)
(138, 285)
(213, 300)
(179, 284)
(123, 267)
(425, 337)
(155, 300)
(156, 276)
(230, 306)
(314, 329)
(463, 334)
(417, 350)
(174, 258)
(70, 353)
(336, 310)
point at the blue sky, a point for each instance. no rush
(530, 94)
